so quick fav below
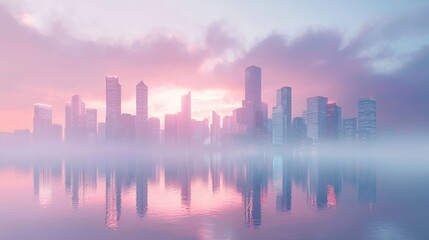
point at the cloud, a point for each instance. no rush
(42, 68)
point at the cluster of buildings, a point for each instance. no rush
(322, 121)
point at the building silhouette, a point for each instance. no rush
(333, 121)
(113, 108)
(349, 129)
(142, 112)
(316, 118)
(367, 121)
(282, 118)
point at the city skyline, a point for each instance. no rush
(376, 58)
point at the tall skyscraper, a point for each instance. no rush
(141, 111)
(316, 118)
(42, 122)
(215, 129)
(250, 116)
(113, 107)
(349, 129)
(333, 121)
(282, 117)
(253, 85)
(367, 119)
(184, 120)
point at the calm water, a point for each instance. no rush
(214, 196)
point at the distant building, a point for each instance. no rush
(128, 127)
(184, 121)
(91, 123)
(141, 111)
(113, 107)
(215, 130)
(282, 117)
(57, 133)
(367, 121)
(333, 121)
(170, 129)
(42, 122)
(299, 130)
(101, 131)
(200, 131)
(154, 130)
(349, 129)
(316, 118)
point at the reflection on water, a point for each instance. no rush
(270, 191)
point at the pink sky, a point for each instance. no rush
(49, 67)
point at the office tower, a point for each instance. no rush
(154, 130)
(316, 118)
(367, 119)
(215, 129)
(76, 120)
(170, 129)
(42, 122)
(333, 121)
(253, 85)
(141, 110)
(127, 127)
(184, 130)
(113, 107)
(299, 130)
(349, 129)
(250, 116)
(282, 117)
(91, 122)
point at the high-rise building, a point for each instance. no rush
(299, 130)
(316, 118)
(252, 115)
(154, 130)
(141, 111)
(215, 129)
(253, 85)
(333, 121)
(91, 123)
(170, 129)
(184, 122)
(42, 122)
(282, 117)
(113, 107)
(349, 129)
(367, 119)
(200, 131)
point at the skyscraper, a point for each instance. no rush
(299, 130)
(349, 129)
(127, 127)
(253, 85)
(141, 111)
(282, 116)
(184, 120)
(91, 122)
(367, 119)
(215, 129)
(42, 122)
(113, 107)
(333, 121)
(316, 118)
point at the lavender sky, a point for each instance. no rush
(52, 49)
